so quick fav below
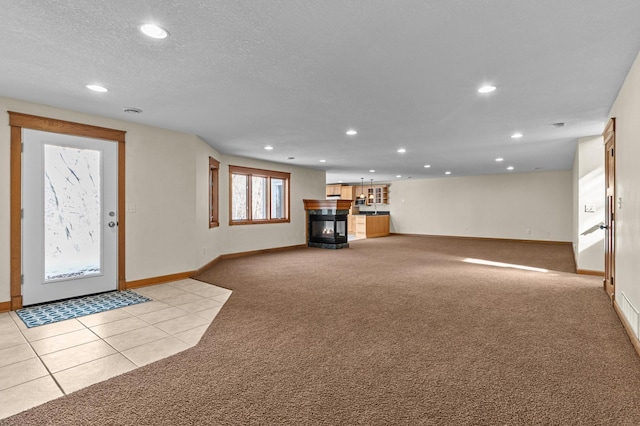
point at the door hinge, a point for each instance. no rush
(21, 146)
(21, 213)
(22, 279)
(612, 284)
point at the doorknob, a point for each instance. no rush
(111, 224)
(603, 226)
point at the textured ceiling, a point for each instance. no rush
(297, 74)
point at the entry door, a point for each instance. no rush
(609, 226)
(69, 225)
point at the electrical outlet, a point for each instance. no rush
(131, 208)
(528, 230)
(204, 251)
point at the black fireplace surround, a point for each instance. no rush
(327, 223)
(328, 229)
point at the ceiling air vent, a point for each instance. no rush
(131, 110)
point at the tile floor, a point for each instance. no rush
(43, 363)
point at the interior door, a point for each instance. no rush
(609, 226)
(69, 225)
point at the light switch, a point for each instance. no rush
(589, 208)
(131, 208)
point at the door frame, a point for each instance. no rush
(18, 121)
(609, 136)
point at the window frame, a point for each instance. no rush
(269, 174)
(214, 193)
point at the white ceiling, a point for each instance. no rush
(297, 74)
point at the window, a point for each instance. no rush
(258, 196)
(214, 166)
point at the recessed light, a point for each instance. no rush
(97, 88)
(323, 161)
(487, 89)
(426, 166)
(398, 176)
(372, 171)
(402, 150)
(510, 168)
(516, 135)
(339, 181)
(154, 31)
(352, 132)
(447, 172)
(268, 148)
(499, 159)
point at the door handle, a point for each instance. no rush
(603, 226)
(111, 224)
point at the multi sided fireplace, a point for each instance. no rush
(327, 223)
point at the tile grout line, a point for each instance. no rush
(50, 374)
(17, 322)
(40, 359)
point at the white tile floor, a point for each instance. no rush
(43, 363)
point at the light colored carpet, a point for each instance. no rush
(397, 330)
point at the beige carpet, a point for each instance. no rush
(397, 330)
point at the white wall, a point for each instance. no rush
(166, 182)
(589, 190)
(494, 206)
(626, 110)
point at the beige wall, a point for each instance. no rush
(495, 206)
(589, 191)
(626, 110)
(166, 185)
(305, 183)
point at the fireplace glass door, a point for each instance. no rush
(328, 229)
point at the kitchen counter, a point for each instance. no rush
(372, 225)
(372, 213)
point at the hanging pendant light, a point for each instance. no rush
(362, 188)
(371, 193)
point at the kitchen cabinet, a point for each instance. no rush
(347, 192)
(334, 189)
(371, 226)
(351, 223)
(380, 195)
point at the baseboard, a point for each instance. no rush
(159, 280)
(5, 306)
(253, 252)
(207, 265)
(627, 327)
(487, 238)
(184, 275)
(590, 272)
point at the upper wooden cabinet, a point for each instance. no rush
(380, 195)
(347, 193)
(334, 189)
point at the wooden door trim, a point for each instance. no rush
(18, 121)
(610, 191)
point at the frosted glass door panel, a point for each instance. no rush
(72, 212)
